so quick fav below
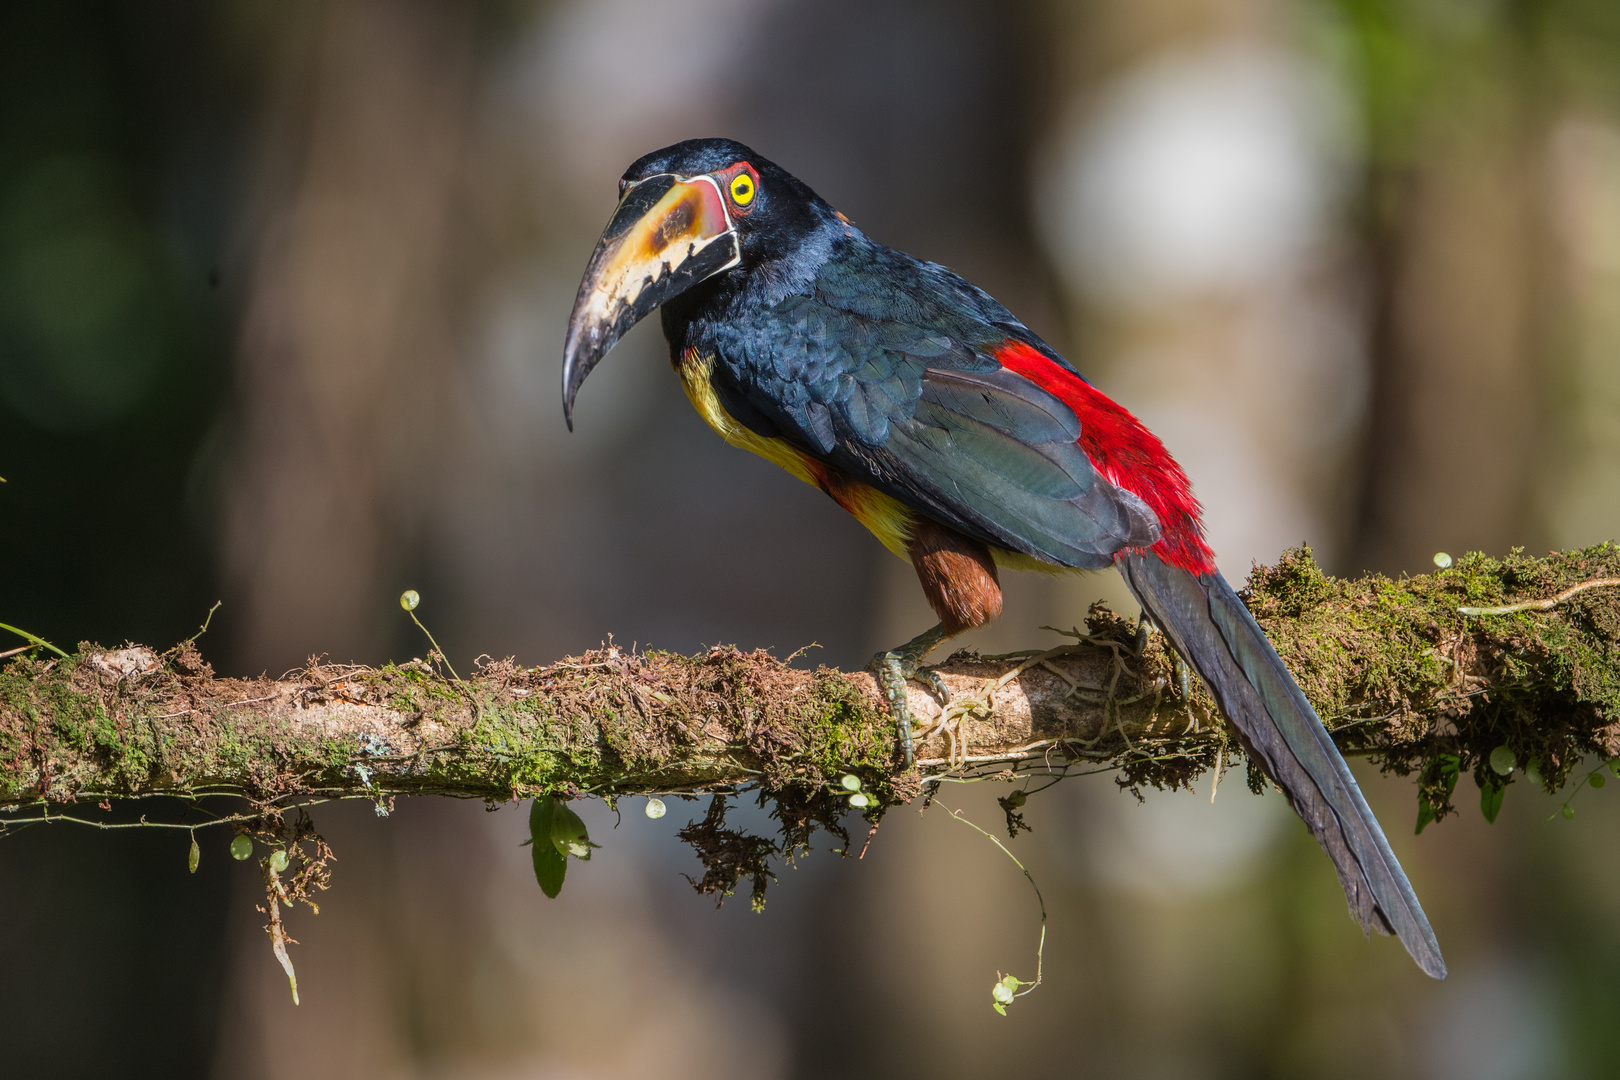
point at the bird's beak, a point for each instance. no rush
(667, 235)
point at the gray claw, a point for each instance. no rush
(935, 684)
(1144, 630)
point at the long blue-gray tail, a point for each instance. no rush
(1212, 630)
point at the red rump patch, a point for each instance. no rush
(1127, 454)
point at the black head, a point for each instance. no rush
(686, 213)
(775, 200)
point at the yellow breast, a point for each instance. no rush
(887, 518)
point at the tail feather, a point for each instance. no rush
(1212, 629)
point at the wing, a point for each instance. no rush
(887, 371)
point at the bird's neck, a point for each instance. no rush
(768, 274)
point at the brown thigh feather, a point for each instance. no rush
(958, 576)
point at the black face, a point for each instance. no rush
(686, 213)
(772, 210)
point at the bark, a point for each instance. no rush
(1424, 674)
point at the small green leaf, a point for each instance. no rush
(409, 599)
(549, 869)
(568, 833)
(1614, 767)
(851, 782)
(1450, 766)
(1490, 800)
(550, 865)
(1440, 773)
(241, 846)
(194, 857)
(656, 808)
(1532, 773)
(1002, 994)
(859, 800)
(540, 819)
(1425, 815)
(1503, 760)
(1569, 811)
(1597, 779)
(278, 861)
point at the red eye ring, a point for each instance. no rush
(741, 185)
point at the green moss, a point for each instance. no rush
(1398, 670)
(844, 735)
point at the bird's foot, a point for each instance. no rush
(896, 667)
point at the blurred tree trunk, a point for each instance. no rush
(1464, 283)
(1489, 211)
(349, 331)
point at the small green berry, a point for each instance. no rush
(409, 599)
(1569, 811)
(1442, 560)
(1503, 760)
(859, 800)
(241, 846)
(656, 808)
(278, 861)
(194, 857)
(851, 782)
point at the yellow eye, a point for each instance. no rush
(742, 189)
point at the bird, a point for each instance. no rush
(964, 442)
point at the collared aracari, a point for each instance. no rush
(963, 441)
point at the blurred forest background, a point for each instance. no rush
(282, 298)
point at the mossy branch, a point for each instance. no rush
(1397, 671)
